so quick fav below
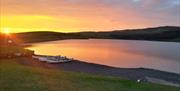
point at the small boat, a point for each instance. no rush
(52, 59)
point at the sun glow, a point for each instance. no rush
(6, 31)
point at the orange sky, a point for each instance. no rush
(86, 15)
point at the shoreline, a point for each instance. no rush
(141, 74)
(26, 45)
(44, 41)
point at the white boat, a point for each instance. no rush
(52, 59)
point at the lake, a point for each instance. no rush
(163, 56)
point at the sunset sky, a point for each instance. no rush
(86, 15)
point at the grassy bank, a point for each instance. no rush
(17, 77)
(7, 51)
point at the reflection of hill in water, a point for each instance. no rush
(166, 50)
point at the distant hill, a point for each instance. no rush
(165, 33)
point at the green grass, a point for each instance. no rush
(18, 77)
(12, 49)
(6, 50)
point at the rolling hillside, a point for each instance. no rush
(166, 33)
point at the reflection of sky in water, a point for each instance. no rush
(118, 53)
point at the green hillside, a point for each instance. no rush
(167, 33)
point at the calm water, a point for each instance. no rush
(118, 53)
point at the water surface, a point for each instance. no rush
(163, 56)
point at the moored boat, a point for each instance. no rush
(52, 59)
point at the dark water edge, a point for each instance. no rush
(128, 73)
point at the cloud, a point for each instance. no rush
(97, 14)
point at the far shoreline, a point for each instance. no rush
(30, 43)
(161, 33)
(102, 39)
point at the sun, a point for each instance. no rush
(6, 31)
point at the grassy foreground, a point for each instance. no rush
(18, 77)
